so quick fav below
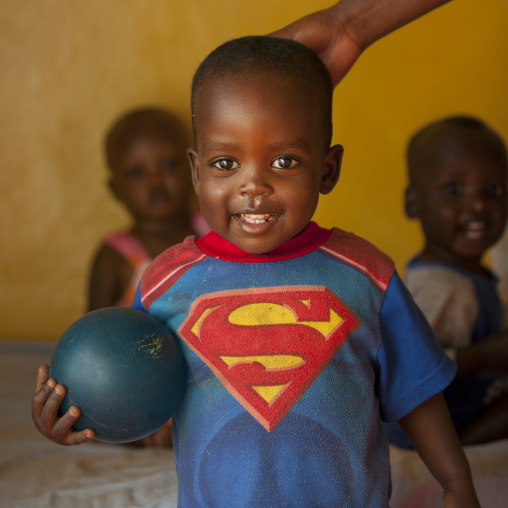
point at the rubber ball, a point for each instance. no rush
(123, 369)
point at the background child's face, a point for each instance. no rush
(462, 202)
(150, 175)
(260, 162)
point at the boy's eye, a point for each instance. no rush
(283, 163)
(496, 190)
(226, 164)
(452, 188)
(169, 164)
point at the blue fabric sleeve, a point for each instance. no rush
(136, 303)
(413, 366)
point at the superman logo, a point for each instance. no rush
(267, 345)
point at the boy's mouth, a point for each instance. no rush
(257, 218)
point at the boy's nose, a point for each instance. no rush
(255, 182)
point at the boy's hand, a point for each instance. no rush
(430, 429)
(45, 403)
(460, 497)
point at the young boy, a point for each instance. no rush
(457, 190)
(298, 339)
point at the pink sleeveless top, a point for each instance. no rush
(130, 248)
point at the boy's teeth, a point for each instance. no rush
(255, 218)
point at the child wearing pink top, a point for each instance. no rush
(150, 176)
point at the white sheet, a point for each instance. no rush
(414, 487)
(35, 473)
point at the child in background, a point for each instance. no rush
(457, 190)
(149, 174)
(298, 339)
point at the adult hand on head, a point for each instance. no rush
(340, 33)
(326, 34)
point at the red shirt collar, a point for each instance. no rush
(308, 240)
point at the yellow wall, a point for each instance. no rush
(70, 66)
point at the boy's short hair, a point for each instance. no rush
(151, 120)
(255, 54)
(463, 128)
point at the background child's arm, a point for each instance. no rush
(489, 353)
(340, 33)
(109, 277)
(45, 403)
(431, 431)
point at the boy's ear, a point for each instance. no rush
(192, 155)
(411, 206)
(331, 169)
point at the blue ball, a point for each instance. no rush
(123, 369)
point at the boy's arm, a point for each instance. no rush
(340, 33)
(431, 431)
(45, 403)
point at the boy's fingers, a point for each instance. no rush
(45, 405)
(77, 438)
(41, 397)
(42, 377)
(63, 433)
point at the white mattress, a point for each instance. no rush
(35, 473)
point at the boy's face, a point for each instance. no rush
(461, 201)
(150, 176)
(260, 162)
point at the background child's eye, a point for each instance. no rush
(496, 190)
(136, 172)
(283, 163)
(169, 164)
(452, 188)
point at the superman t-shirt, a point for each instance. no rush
(294, 358)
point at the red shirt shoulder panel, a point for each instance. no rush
(361, 255)
(168, 268)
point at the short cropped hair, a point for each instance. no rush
(151, 120)
(461, 127)
(255, 54)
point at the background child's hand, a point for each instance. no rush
(161, 438)
(496, 351)
(45, 403)
(490, 353)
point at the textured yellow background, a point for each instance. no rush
(68, 67)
